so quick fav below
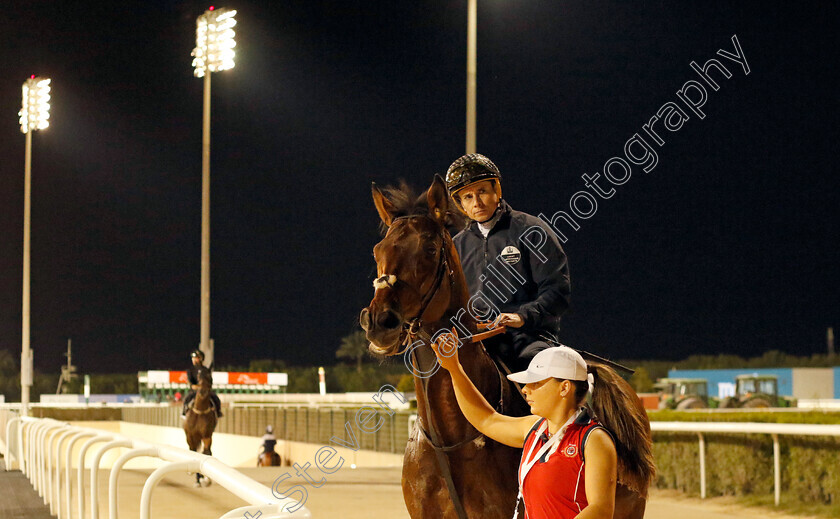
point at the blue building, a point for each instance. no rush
(807, 383)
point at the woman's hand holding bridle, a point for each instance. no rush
(446, 350)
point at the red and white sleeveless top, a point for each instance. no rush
(554, 486)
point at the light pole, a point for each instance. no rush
(213, 52)
(34, 115)
(472, 31)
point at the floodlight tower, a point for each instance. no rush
(213, 52)
(472, 32)
(34, 115)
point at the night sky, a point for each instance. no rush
(729, 245)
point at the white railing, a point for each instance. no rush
(773, 429)
(36, 444)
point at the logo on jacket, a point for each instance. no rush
(511, 255)
(570, 451)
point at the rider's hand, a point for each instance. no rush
(194, 386)
(509, 320)
(446, 350)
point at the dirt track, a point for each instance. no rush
(362, 494)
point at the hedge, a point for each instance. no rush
(742, 464)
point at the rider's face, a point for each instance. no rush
(479, 200)
(196, 361)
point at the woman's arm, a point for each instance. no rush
(508, 430)
(601, 474)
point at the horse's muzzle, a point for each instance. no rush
(385, 320)
(383, 329)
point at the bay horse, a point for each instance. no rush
(450, 470)
(201, 422)
(267, 456)
(269, 459)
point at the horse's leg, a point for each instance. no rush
(192, 440)
(207, 443)
(424, 492)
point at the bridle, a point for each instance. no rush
(414, 327)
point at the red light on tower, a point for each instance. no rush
(211, 7)
(32, 76)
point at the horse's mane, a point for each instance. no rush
(406, 202)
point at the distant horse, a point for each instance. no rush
(201, 422)
(269, 459)
(450, 470)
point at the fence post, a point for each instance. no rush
(777, 472)
(94, 474)
(97, 438)
(115, 474)
(702, 466)
(394, 433)
(156, 476)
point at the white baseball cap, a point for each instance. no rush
(555, 362)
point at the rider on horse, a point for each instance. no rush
(267, 449)
(269, 440)
(513, 263)
(194, 374)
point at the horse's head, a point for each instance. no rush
(205, 382)
(414, 265)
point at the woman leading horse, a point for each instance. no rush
(451, 469)
(569, 465)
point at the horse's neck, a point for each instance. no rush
(201, 402)
(436, 402)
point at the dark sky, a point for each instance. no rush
(730, 245)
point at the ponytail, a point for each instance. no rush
(617, 407)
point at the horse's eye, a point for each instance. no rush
(431, 251)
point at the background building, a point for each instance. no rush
(800, 383)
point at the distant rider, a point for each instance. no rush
(193, 375)
(269, 440)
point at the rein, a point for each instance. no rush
(202, 412)
(196, 411)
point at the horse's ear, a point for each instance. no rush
(383, 206)
(438, 197)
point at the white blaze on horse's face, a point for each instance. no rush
(385, 281)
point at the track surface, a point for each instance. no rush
(18, 500)
(347, 494)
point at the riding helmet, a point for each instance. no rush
(197, 353)
(470, 169)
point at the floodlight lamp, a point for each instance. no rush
(35, 111)
(214, 41)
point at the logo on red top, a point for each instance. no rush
(570, 451)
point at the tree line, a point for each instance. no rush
(357, 371)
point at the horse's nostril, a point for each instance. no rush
(388, 320)
(364, 319)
